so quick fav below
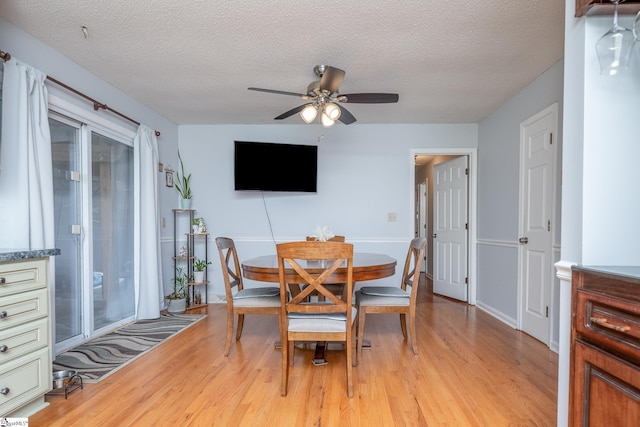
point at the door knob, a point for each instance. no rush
(523, 240)
(435, 235)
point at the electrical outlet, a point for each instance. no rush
(392, 217)
(164, 222)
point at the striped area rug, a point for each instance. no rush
(102, 356)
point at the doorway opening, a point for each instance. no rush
(426, 158)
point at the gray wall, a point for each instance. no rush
(498, 195)
(364, 173)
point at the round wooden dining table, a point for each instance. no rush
(366, 266)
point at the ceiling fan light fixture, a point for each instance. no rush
(332, 111)
(326, 120)
(309, 113)
(323, 97)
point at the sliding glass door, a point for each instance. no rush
(112, 208)
(94, 211)
(65, 152)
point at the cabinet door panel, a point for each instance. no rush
(24, 379)
(607, 389)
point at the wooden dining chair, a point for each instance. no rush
(394, 299)
(241, 300)
(336, 288)
(331, 320)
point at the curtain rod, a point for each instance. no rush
(96, 105)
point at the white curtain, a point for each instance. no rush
(149, 296)
(26, 179)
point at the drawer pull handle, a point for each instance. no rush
(3, 314)
(3, 348)
(603, 322)
(3, 280)
(5, 390)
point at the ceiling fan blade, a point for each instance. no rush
(279, 92)
(291, 112)
(345, 116)
(371, 98)
(331, 79)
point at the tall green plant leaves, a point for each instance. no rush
(183, 182)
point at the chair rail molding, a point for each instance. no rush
(494, 242)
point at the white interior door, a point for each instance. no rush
(537, 157)
(450, 234)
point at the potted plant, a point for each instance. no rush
(199, 265)
(183, 185)
(178, 298)
(198, 226)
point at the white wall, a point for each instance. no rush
(600, 175)
(363, 174)
(610, 157)
(498, 195)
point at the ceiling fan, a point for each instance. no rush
(325, 99)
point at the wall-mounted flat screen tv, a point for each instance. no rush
(267, 166)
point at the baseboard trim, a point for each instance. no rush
(497, 314)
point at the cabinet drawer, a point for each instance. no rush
(609, 321)
(22, 276)
(24, 307)
(24, 379)
(22, 339)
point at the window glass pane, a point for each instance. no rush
(66, 200)
(112, 207)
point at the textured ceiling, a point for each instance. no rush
(192, 61)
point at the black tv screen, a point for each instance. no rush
(267, 166)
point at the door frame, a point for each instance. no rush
(421, 216)
(472, 153)
(91, 122)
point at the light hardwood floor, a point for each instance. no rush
(472, 370)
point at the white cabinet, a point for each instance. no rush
(25, 337)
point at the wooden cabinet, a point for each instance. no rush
(605, 7)
(605, 347)
(25, 339)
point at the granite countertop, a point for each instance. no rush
(17, 254)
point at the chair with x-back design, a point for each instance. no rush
(395, 299)
(302, 320)
(241, 300)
